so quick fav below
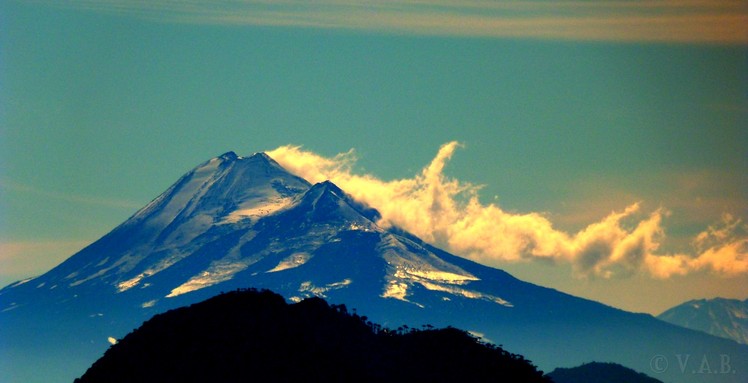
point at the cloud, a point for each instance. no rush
(448, 213)
(723, 247)
(668, 21)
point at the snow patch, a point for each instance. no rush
(260, 209)
(23, 281)
(130, 283)
(396, 290)
(320, 291)
(221, 270)
(464, 293)
(153, 270)
(103, 262)
(13, 305)
(442, 276)
(218, 272)
(408, 264)
(124, 264)
(431, 272)
(354, 226)
(291, 262)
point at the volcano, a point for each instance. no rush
(245, 222)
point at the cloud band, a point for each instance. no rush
(663, 21)
(448, 213)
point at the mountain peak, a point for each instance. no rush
(329, 187)
(726, 318)
(237, 222)
(225, 184)
(231, 156)
(262, 155)
(228, 156)
(325, 199)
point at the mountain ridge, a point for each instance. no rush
(725, 318)
(237, 222)
(596, 372)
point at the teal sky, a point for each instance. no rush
(103, 107)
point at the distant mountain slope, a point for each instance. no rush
(726, 318)
(255, 336)
(238, 222)
(596, 372)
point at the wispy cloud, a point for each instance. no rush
(12, 186)
(668, 21)
(447, 212)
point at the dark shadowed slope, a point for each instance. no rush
(255, 336)
(600, 373)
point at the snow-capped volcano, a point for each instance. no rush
(228, 188)
(237, 222)
(223, 194)
(726, 318)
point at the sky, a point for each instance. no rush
(598, 148)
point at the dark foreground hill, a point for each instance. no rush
(255, 336)
(596, 372)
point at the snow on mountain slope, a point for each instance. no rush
(237, 222)
(225, 190)
(726, 318)
(221, 203)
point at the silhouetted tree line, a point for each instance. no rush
(254, 336)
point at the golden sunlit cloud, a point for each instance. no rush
(448, 213)
(668, 21)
